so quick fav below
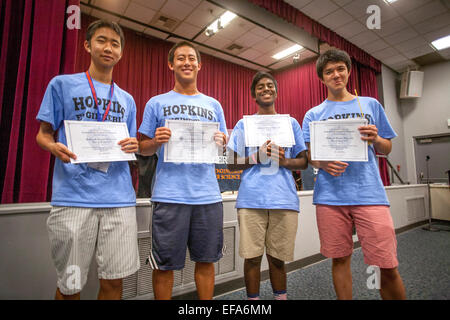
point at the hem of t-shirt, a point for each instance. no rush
(191, 202)
(279, 207)
(330, 203)
(92, 205)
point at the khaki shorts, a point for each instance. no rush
(272, 229)
(77, 233)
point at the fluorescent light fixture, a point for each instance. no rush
(441, 43)
(389, 1)
(220, 23)
(286, 52)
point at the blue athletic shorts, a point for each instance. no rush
(176, 227)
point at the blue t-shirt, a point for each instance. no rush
(186, 183)
(361, 183)
(260, 187)
(69, 97)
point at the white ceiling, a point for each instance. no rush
(407, 28)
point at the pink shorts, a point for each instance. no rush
(374, 228)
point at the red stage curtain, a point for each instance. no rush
(299, 19)
(35, 47)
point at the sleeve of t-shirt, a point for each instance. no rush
(221, 116)
(52, 106)
(305, 126)
(131, 121)
(149, 120)
(299, 141)
(237, 140)
(385, 129)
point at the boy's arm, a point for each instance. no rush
(236, 163)
(370, 134)
(149, 146)
(46, 140)
(298, 163)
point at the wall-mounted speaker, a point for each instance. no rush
(411, 84)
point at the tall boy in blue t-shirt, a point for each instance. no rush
(267, 219)
(188, 209)
(94, 205)
(348, 193)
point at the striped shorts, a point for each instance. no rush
(76, 233)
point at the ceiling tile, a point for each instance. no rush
(176, 9)
(358, 8)
(250, 54)
(342, 2)
(282, 64)
(410, 44)
(445, 53)
(298, 3)
(139, 13)
(204, 14)
(433, 24)
(394, 59)
(216, 41)
(248, 39)
(375, 46)
(131, 25)
(116, 6)
(385, 53)
(187, 30)
(103, 15)
(363, 38)
(265, 60)
(403, 65)
(336, 19)
(401, 36)
(259, 31)
(319, 9)
(419, 51)
(155, 33)
(391, 27)
(437, 34)
(153, 4)
(425, 12)
(351, 29)
(406, 6)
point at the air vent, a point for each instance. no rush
(164, 22)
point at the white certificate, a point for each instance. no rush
(338, 140)
(192, 142)
(94, 141)
(260, 128)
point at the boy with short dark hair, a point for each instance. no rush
(94, 206)
(347, 193)
(267, 202)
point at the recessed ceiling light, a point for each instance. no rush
(286, 52)
(441, 43)
(220, 23)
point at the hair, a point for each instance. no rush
(171, 55)
(94, 26)
(332, 55)
(261, 75)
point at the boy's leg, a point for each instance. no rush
(73, 235)
(376, 232)
(252, 230)
(204, 280)
(252, 276)
(280, 244)
(278, 278)
(391, 286)
(206, 245)
(342, 277)
(335, 226)
(169, 232)
(162, 284)
(117, 249)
